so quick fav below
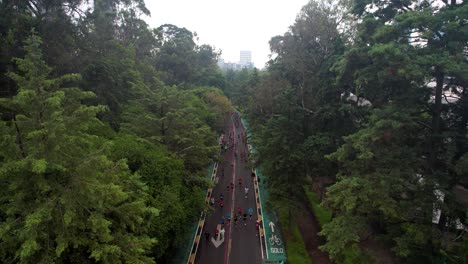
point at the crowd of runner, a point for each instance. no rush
(230, 143)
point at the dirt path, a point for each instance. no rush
(309, 229)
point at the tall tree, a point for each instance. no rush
(58, 181)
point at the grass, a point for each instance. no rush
(295, 247)
(322, 214)
(297, 253)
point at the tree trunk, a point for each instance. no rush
(462, 127)
(19, 141)
(435, 139)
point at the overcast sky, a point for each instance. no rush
(232, 25)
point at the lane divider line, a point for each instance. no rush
(233, 177)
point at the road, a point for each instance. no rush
(241, 244)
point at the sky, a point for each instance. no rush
(229, 25)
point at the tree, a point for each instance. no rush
(58, 180)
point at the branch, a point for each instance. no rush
(19, 142)
(187, 148)
(307, 110)
(424, 125)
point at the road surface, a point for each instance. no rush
(241, 244)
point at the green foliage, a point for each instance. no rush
(60, 182)
(104, 165)
(344, 231)
(295, 247)
(321, 213)
(377, 116)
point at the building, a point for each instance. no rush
(245, 57)
(245, 62)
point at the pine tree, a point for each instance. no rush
(63, 199)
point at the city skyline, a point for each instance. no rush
(219, 24)
(245, 61)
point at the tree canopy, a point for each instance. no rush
(368, 99)
(107, 129)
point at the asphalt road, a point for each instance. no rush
(241, 244)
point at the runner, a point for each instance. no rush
(232, 186)
(222, 220)
(239, 210)
(257, 226)
(212, 201)
(245, 219)
(222, 233)
(207, 236)
(235, 220)
(228, 217)
(216, 231)
(221, 196)
(246, 190)
(240, 182)
(250, 212)
(221, 203)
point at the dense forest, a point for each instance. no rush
(108, 126)
(365, 104)
(107, 130)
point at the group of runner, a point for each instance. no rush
(241, 215)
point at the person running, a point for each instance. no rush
(216, 231)
(207, 236)
(245, 219)
(221, 196)
(246, 190)
(239, 210)
(221, 204)
(222, 220)
(212, 201)
(221, 233)
(257, 227)
(232, 186)
(250, 212)
(240, 182)
(235, 220)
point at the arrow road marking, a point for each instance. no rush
(272, 226)
(220, 240)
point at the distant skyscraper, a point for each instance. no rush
(244, 63)
(245, 58)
